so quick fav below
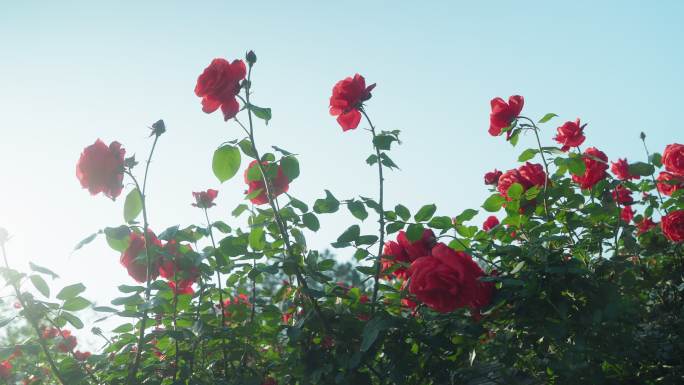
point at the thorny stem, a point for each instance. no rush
(33, 323)
(132, 374)
(276, 214)
(220, 288)
(378, 264)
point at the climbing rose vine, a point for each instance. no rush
(570, 271)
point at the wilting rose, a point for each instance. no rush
(492, 177)
(621, 170)
(347, 99)
(673, 158)
(490, 223)
(672, 225)
(100, 168)
(447, 280)
(668, 183)
(280, 184)
(219, 84)
(596, 164)
(503, 114)
(570, 134)
(205, 199)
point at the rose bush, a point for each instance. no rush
(575, 276)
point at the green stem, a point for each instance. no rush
(220, 289)
(381, 199)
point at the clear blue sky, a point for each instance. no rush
(73, 71)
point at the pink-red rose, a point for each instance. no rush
(219, 84)
(622, 195)
(645, 225)
(596, 164)
(668, 183)
(673, 158)
(347, 100)
(627, 214)
(5, 370)
(280, 184)
(68, 342)
(492, 177)
(672, 225)
(527, 175)
(100, 168)
(490, 223)
(178, 268)
(419, 248)
(81, 356)
(621, 170)
(393, 253)
(448, 280)
(137, 268)
(503, 114)
(570, 134)
(205, 199)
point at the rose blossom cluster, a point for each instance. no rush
(669, 181)
(442, 278)
(65, 342)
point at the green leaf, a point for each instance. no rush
(494, 203)
(657, 159)
(239, 209)
(260, 112)
(440, 223)
(75, 304)
(515, 191)
(547, 117)
(394, 227)
(517, 267)
(527, 155)
(387, 161)
(466, 215)
(326, 264)
(131, 289)
(383, 142)
(257, 239)
(514, 138)
(117, 237)
(85, 241)
(371, 160)
(290, 166)
(371, 331)
(576, 166)
(226, 162)
(70, 291)
(133, 205)
(43, 270)
(246, 147)
(358, 209)
(414, 232)
(311, 221)
(403, 212)
(351, 234)
(39, 283)
(425, 213)
(301, 206)
(641, 169)
(326, 205)
(72, 319)
(254, 194)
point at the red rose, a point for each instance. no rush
(673, 158)
(235, 304)
(492, 177)
(68, 342)
(507, 179)
(49, 333)
(668, 183)
(347, 99)
(100, 168)
(490, 223)
(621, 170)
(205, 199)
(5, 370)
(627, 214)
(645, 225)
(622, 195)
(178, 268)
(279, 184)
(137, 268)
(503, 114)
(396, 253)
(596, 164)
(269, 381)
(447, 280)
(570, 134)
(81, 356)
(532, 174)
(419, 248)
(219, 84)
(673, 225)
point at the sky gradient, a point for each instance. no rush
(74, 71)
